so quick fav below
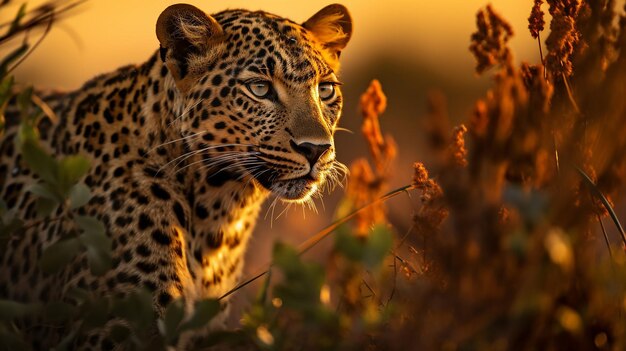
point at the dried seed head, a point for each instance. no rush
(367, 184)
(457, 146)
(373, 103)
(488, 43)
(535, 21)
(563, 36)
(420, 174)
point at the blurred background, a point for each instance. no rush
(412, 47)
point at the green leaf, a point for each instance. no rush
(370, 250)
(71, 170)
(100, 260)
(97, 242)
(67, 341)
(78, 294)
(28, 132)
(263, 293)
(174, 314)
(45, 207)
(39, 161)
(79, 195)
(286, 258)
(12, 57)
(18, 18)
(378, 245)
(44, 191)
(303, 281)
(119, 333)
(223, 337)
(90, 225)
(6, 92)
(24, 101)
(57, 311)
(26, 107)
(96, 313)
(12, 341)
(136, 308)
(204, 311)
(59, 254)
(10, 310)
(349, 245)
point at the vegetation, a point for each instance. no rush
(502, 253)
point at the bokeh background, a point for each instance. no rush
(414, 47)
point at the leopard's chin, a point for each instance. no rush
(298, 189)
(295, 190)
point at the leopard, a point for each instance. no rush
(230, 110)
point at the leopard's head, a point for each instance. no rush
(258, 95)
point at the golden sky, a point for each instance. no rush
(107, 34)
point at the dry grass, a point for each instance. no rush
(506, 226)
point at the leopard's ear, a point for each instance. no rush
(332, 26)
(185, 33)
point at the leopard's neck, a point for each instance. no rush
(223, 218)
(224, 204)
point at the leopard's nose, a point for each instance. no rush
(312, 152)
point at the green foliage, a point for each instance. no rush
(10, 310)
(11, 58)
(6, 86)
(203, 311)
(174, 315)
(369, 250)
(8, 224)
(297, 309)
(59, 191)
(136, 309)
(79, 195)
(303, 281)
(59, 179)
(59, 254)
(96, 241)
(18, 18)
(174, 321)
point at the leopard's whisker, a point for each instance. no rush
(184, 113)
(286, 208)
(233, 159)
(235, 165)
(339, 129)
(271, 207)
(238, 156)
(195, 135)
(195, 152)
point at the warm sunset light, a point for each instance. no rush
(272, 175)
(104, 35)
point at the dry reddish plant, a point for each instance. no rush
(535, 21)
(382, 148)
(366, 184)
(564, 36)
(515, 257)
(458, 152)
(489, 41)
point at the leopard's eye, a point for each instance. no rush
(326, 91)
(260, 89)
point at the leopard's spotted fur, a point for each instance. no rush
(184, 150)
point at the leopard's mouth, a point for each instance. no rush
(294, 189)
